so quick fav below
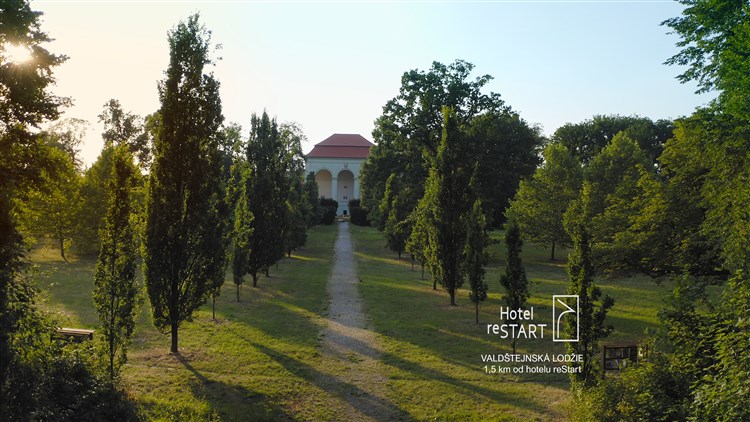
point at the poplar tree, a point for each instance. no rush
(116, 291)
(295, 235)
(311, 196)
(183, 207)
(476, 255)
(243, 228)
(262, 198)
(447, 199)
(514, 280)
(591, 316)
(296, 209)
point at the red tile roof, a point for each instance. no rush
(340, 145)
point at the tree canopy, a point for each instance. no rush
(541, 201)
(408, 135)
(182, 245)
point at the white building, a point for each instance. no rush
(336, 163)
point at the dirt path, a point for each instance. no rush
(359, 379)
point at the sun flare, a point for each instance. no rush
(16, 53)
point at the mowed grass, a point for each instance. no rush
(262, 358)
(259, 360)
(433, 350)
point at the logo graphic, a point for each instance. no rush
(565, 314)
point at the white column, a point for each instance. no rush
(334, 188)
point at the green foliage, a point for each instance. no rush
(616, 181)
(541, 201)
(116, 292)
(56, 382)
(477, 257)
(330, 208)
(506, 150)
(265, 194)
(310, 193)
(182, 252)
(296, 233)
(591, 316)
(26, 103)
(408, 135)
(386, 203)
(514, 280)
(714, 45)
(93, 191)
(297, 209)
(121, 127)
(358, 214)
(446, 203)
(586, 139)
(51, 210)
(243, 229)
(654, 389)
(394, 212)
(422, 235)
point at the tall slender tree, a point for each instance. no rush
(514, 279)
(243, 229)
(311, 197)
(422, 236)
(447, 198)
(262, 197)
(116, 291)
(591, 316)
(183, 217)
(477, 241)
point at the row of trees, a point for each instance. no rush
(447, 160)
(674, 211)
(205, 190)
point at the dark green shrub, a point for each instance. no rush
(357, 213)
(652, 390)
(330, 208)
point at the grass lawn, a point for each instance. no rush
(262, 358)
(433, 350)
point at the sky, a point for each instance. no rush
(331, 66)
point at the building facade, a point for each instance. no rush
(336, 163)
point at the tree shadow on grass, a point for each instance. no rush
(234, 402)
(365, 403)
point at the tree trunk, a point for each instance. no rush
(213, 308)
(422, 271)
(255, 279)
(267, 274)
(553, 250)
(175, 327)
(62, 248)
(112, 340)
(476, 309)
(452, 292)
(434, 283)
(412, 262)
(238, 291)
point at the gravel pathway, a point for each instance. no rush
(360, 382)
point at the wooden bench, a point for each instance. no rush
(616, 357)
(77, 335)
